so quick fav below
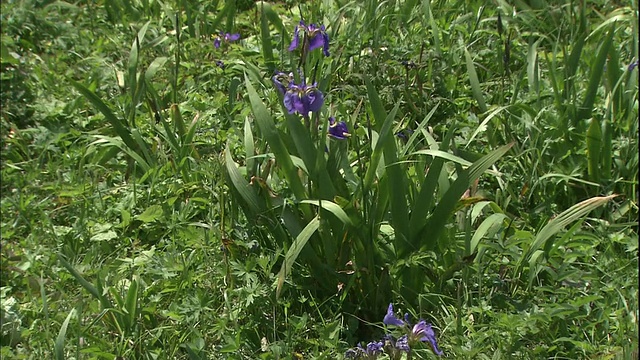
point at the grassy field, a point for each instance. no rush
(319, 179)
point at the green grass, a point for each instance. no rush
(156, 205)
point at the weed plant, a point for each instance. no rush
(240, 180)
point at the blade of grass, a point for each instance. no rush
(58, 347)
(267, 50)
(475, 83)
(596, 75)
(293, 252)
(594, 144)
(438, 220)
(332, 207)
(270, 133)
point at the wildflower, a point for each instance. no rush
(395, 348)
(424, 333)
(315, 37)
(404, 134)
(633, 65)
(421, 332)
(391, 319)
(220, 64)
(282, 81)
(371, 352)
(338, 130)
(226, 37)
(302, 98)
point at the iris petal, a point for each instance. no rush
(391, 319)
(295, 40)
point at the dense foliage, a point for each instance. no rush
(229, 179)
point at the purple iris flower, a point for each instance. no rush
(633, 65)
(301, 98)
(421, 332)
(372, 351)
(282, 81)
(403, 344)
(374, 348)
(338, 130)
(391, 319)
(225, 37)
(424, 333)
(315, 37)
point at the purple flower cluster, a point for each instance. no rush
(225, 38)
(413, 335)
(301, 98)
(338, 130)
(314, 37)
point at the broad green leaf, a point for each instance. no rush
(385, 122)
(532, 67)
(291, 256)
(267, 50)
(150, 214)
(85, 284)
(443, 155)
(153, 68)
(422, 204)
(131, 305)
(249, 148)
(118, 125)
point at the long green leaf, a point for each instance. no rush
(131, 305)
(489, 223)
(333, 208)
(385, 123)
(85, 284)
(594, 144)
(270, 133)
(596, 74)
(568, 216)
(423, 202)
(438, 220)
(118, 125)
(249, 148)
(246, 191)
(58, 346)
(291, 256)
(267, 50)
(475, 83)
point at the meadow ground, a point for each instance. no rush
(237, 180)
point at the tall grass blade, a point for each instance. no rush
(596, 74)
(293, 252)
(333, 208)
(267, 50)
(84, 283)
(558, 223)
(270, 133)
(58, 346)
(475, 83)
(438, 220)
(594, 145)
(246, 191)
(118, 125)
